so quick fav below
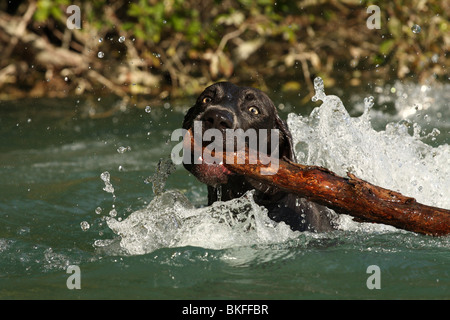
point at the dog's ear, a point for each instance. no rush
(286, 146)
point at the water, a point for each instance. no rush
(96, 193)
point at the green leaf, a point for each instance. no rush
(387, 46)
(395, 27)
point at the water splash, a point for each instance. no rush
(414, 102)
(170, 220)
(105, 176)
(394, 158)
(164, 169)
(368, 104)
(320, 90)
(219, 193)
(123, 149)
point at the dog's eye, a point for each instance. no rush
(253, 110)
(206, 100)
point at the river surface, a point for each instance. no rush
(98, 193)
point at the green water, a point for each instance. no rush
(51, 158)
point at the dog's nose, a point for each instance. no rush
(218, 119)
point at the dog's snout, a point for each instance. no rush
(218, 119)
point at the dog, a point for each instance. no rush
(224, 106)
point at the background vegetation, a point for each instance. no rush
(176, 47)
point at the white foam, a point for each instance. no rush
(171, 221)
(392, 158)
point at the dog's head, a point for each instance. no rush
(223, 106)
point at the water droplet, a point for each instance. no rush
(219, 193)
(100, 54)
(416, 28)
(123, 149)
(148, 109)
(84, 225)
(318, 84)
(100, 40)
(113, 213)
(435, 132)
(66, 79)
(121, 39)
(319, 88)
(109, 188)
(435, 58)
(98, 210)
(105, 176)
(23, 230)
(368, 103)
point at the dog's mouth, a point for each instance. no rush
(212, 174)
(209, 160)
(205, 168)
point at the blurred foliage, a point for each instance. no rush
(177, 47)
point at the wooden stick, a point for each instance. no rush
(351, 196)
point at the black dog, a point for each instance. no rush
(227, 106)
